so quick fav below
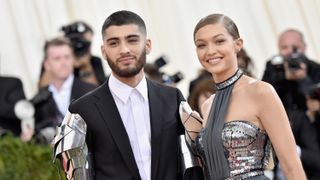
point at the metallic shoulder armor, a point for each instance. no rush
(70, 147)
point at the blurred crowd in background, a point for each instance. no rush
(69, 70)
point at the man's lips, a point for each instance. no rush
(126, 59)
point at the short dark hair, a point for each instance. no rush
(56, 42)
(124, 18)
(230, 26)
(86, 27)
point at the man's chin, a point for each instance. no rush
(127, 73)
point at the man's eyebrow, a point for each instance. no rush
(133, 36)
(112, 39)
(129, 36)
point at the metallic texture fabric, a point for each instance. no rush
(247, 149)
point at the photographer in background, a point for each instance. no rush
(305, 127)
(313, 111)
(291, 72)
(87, 67)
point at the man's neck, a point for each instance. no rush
(58, 83)
(131, 81)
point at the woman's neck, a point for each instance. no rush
(220, 77)
(231, 79)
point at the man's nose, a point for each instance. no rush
(124, 48)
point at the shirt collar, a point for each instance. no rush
(67, 84)
(123, 91)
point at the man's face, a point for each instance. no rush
(59, 62)
(125, 48)
(289, 40)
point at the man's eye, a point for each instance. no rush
(112, 43)
(133, 40)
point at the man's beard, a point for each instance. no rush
(129, 72)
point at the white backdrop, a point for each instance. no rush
(26, 24)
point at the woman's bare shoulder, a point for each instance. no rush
(258, 87)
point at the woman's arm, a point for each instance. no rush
(275, 121)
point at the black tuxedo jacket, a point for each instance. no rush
(11, 91)
(306, 137)
(108, 142)
(47, 113)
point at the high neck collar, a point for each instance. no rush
(231, 80)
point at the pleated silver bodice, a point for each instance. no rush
(246, 148)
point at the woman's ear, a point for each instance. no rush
(238, 44)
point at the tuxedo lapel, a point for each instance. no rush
(110, 114)
(156, 114)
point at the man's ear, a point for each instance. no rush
(46, 65)
(148, 46)
(103, 51)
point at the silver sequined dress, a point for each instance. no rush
(246, 148)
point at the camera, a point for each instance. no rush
(295, 59)
(175, 78)
(153, 72)
(277, 63)
(314, 92)
(167, 79)
(74, 32)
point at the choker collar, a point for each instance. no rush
(234, 78)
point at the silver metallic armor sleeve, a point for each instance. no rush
(70, 147)
(189, 160)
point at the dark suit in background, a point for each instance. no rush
(292, 92)
(11, 91)
(47, 113)
(97, 69)
(108, 141)
(306, 138)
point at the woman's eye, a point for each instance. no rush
(220, 41)
(201, 46)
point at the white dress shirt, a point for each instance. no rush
(63, 96)
(133, 106)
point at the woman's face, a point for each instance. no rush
(216, 49)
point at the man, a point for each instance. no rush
(52, 102)
(293, 72)
(132, 123)
(11, 92)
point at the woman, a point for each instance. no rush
(244, 113)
